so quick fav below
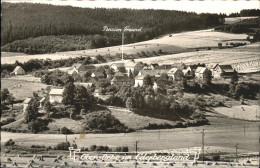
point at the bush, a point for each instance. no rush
(10, 142)
(65, 130)
(62, 146)
(39, 125)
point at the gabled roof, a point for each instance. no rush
(139, 77)
(119, 74)
(161, 67)
(200, 70)
(27, 100)
(226, 68)
(76, 65)
(122, 78)
(159, 82)
(71, 71)
(145, 72)
(17, 68)
(118, 64)
(56, 91)
(85, 67)
(130, 64)
(173, 70)
(177, 64)
(212, 65)
(86, 85)
(42, 99)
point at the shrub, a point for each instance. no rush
(39, 125)
(10, 142)
(63, 146)
(65, 130)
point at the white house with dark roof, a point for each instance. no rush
(134, 67)
(56, 95)
(139, 81)
(201, 72)
(122, 80)
(18, 71)
(118, 67)
(175, 73)
(223, 71)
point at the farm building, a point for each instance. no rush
(223, 71)
(83, 68)
(93, 81)
(134, 67)
(175, 74)
(56, 95)
(201, 72)
(18, 71)
(118, 67)
(151, 66)
(180, 65)
(188, 72)
(122, 80)
(155, 73)
(28, 101)
(119, 74)
(139, 80)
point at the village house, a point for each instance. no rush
(119, 74)
(139, 80)
(180, 65)
(122, 80)
(82, 68)
(149, 72)
(93, 81)
(175, 74)
(158, 84)
(18, 71)
(133, 67)
(151, 66)
(223, 71)
(56, 95)
(201, 72)
(97, 75)
(118, 67)
(188, 72)
(28, 101)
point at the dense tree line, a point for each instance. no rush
(26, 21)
(246, 12)
(249, 26)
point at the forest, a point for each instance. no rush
(246, 13)
(41, 28)
(249, 26)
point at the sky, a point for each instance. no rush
(204, 6)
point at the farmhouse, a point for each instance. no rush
(28, 101)
(134, 67)
(201, 72)
(155, 73)
(93, 81)
(56, 95)
(188, 72)
(151, 66)
(223, 71)
(118, 67)
(180, 65)
(139, 80)
(82, 68)
(122, 80)
(18, 71)
(175, 74)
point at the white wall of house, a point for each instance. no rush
(20, 71)
(139, 82)
(56, 98)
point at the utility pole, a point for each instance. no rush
(136, 148)
(244, 129)
(236, 151)
(123, 46)
(203, 134)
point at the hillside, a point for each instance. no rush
(22, 21)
